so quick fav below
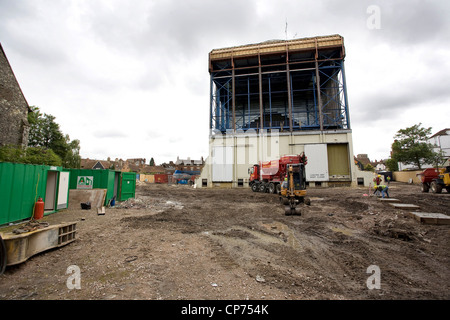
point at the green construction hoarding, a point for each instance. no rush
(21, 185)
(119, 185)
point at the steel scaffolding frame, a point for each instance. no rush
(286, 91)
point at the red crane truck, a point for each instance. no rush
(267, 176)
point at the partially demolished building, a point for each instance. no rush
(279, 98)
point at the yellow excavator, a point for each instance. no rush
(293, 189)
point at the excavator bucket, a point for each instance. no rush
(293, 190)
(287, 210)
(290, 211)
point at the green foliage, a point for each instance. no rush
(11, 153)
(392, 164)
(45, 133)
(39, 155)
(30, 155)
(438, 159)
(72, 158)
(369, 167)
(411, 147)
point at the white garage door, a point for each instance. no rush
(317, 167)
(222, 164)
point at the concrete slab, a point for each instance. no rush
(404, 206)
(388, 200)
(431, 218)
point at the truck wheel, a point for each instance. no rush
(262, 187)
(278, 188)
(435, 187)
(255, 187)
(425, 187)
(271, 187)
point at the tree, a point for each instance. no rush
(72, 158)
(411, 146)
(39, 155)
(152, 162)
(45, 133)
(392, 164)
(369, 167)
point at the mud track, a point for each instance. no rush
(177, 242)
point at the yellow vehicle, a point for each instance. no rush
(293, 189)
(442, 181)
(435, 179)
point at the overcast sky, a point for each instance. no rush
(130, 79)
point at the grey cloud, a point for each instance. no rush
(384, 103)
(109, 134)
(182, 27)
(16, 18)
(412, 22)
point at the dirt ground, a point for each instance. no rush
(178, 242)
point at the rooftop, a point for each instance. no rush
(276, 46)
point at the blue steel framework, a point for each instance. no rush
(288, 91)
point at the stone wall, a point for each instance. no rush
(14, 108)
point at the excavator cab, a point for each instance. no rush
(293, 189)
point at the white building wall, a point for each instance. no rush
(250, 148)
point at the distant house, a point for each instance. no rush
(94, 164)
(14, 109)
(358, 163)
(362, 160)
(441, 140)
(152, 169)
(138, 165)
(379, 165)
(189, 165)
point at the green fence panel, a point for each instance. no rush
(20, 187)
